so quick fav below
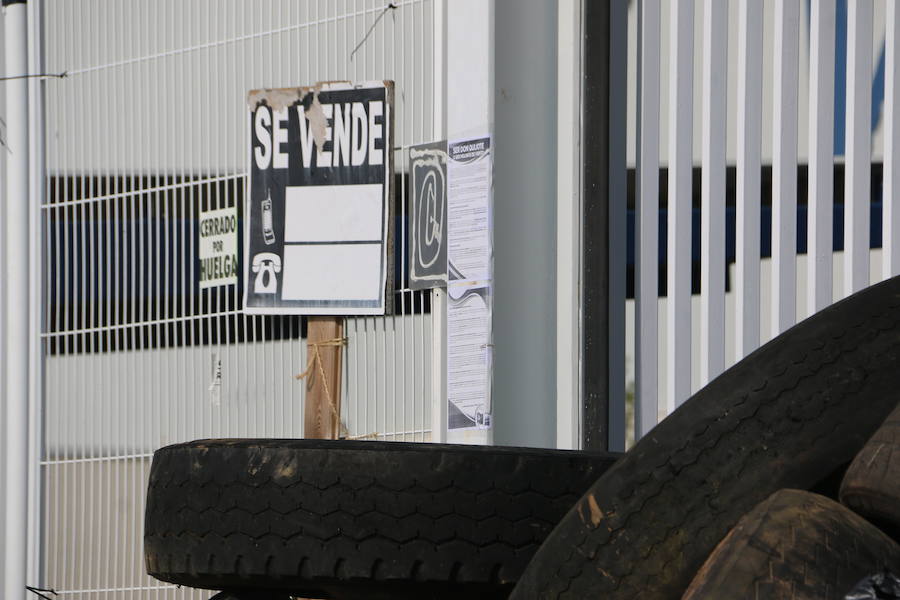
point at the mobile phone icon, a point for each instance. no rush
(268, 228)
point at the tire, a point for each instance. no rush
(794, 546)
(786, 416)
(871, 486)
(349, 519)
(251, 595)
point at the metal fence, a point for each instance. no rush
(146, 131)
(774, 127)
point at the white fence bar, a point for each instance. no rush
(890, 199)
(16, 289)
(712, 190)
(784, 166)
(858, 151)
(821, 154)
(678, 287)
(749, 117)
(646, 239)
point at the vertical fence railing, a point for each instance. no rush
(678, 284)
(147, 131)
(822, 24)
(757, 113)
(784, 166)
(858, 146)
(749, 140)
(891, 191)
(712, 190)
(647, 228)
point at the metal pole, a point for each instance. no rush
(36, 306)
(603, 224)
(616, 218)
(595, 232)
(16, 285)
(439, 296)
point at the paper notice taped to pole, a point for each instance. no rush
(469, 356)
(470, 286)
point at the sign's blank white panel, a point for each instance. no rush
(333, 213)
(313, 272)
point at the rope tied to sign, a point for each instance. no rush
(314, 361)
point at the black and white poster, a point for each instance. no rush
(319, 227)
(428, 246)
(469, 242)
(470, 285)
(469, 356)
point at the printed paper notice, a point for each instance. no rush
(218, 247)
(468, 357)
(468, 212)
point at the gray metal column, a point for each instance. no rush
(525, 102)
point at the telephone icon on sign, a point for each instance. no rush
(266, 265)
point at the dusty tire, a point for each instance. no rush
(871, 486)
(356, 519)
(794, 546)
(786, 416)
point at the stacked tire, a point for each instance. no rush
(355, 519)
(734, 495)
(802, 545)
(715, 501)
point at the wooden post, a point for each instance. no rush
(323, 398)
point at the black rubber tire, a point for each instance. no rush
(794, 546)
(786, 416)
(349, 519)
(871, 486)
(252, 595)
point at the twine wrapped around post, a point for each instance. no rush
(315, 364)
(315, 360)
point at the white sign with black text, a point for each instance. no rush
(218, 247)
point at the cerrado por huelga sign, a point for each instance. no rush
(319, 226)
(217, 247)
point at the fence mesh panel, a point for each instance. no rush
(147, 131)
